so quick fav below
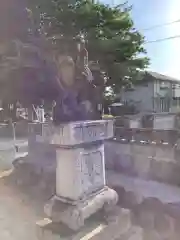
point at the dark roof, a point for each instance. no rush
(162, 77)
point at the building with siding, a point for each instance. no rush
(154, 93)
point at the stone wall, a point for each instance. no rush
(144, 163)
(155, 206)
(147, 155)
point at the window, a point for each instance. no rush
(164, 85)
(174, 86)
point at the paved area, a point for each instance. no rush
(17, 218)
(8, 151)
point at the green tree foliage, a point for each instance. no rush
(111, 38)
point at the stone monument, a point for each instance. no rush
(80, 172)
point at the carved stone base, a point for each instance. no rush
(74, 215)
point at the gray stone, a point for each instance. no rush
(94, 229)
(142, 166)
(118, 156)
(164, 153)
(74, 215)
(164, 225)
(121, 193)
(79, 132)
(163, 171)
(158, 212)
(124, 163)
(125, 148)
(143, 149)
(131, 200)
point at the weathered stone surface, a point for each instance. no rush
(165, 172)
(124, 163)
(118, 156)
(121, 193)
(94, 229)
(75, 215)
(143, 149)
(110, 158)
(142, 166)
(77, 132)
(131, 200)
(123, 148)
(159, 210)
(161, 166)
(80, 172)
(164, 153)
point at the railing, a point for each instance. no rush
(146, 136)
(15, 130)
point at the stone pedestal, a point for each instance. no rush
(80, 172)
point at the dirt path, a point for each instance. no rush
(17, 218)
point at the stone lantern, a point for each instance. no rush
(81, 187)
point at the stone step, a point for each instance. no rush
(94, 229)
(155, 206)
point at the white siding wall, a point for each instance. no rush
(176, 90)
(145, 97)
(162, 88)
(141, 96)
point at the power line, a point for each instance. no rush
(163, 39)
(161, 25)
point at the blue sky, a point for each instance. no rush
(165, 56)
